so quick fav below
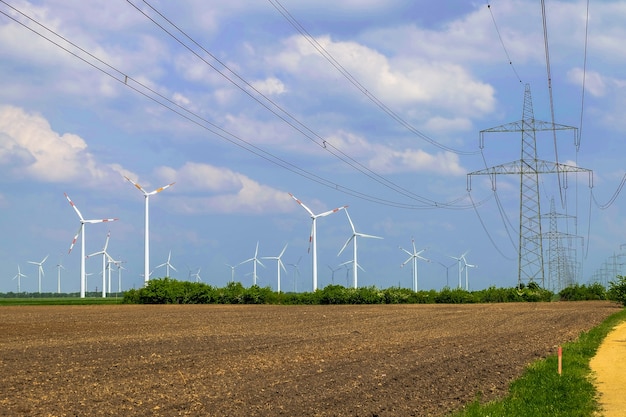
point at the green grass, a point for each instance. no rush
(542, 392)
(48, 301)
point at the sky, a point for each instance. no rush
(372, 104)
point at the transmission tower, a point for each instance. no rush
(560, 271)
(530, 249)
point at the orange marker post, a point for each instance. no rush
(560, 356)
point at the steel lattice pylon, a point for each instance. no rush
(530, 248)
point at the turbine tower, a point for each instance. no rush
(146, 264)
(39, 269)
(19, 277)
(312, 237)
(105, 255)
(167, 265)
(280, 264)
(530, 249)
(81, 232)
(414, 256)
(254, 261)
(353, 238)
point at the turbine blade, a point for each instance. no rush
(368, 236)
(100, 221)
(335, 210)
(350, 220)
(158, 190)
(303, 205)
(80, 216)
(136, 185)
(75, 238)
(345, 245)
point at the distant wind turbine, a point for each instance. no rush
(296, 274)
(81, 231)
(459, 260)
(196, 275)
(332, 271)
(414, 256)
(39, 269)
(312, 237)
(280, 264)
(167, 265)
(19, 277)
(147, 195)
(59, 267)
(466, 266)
(254, 261)
(353, 239)
(232, 271)
(104, 254)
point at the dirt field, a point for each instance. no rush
(416, 360)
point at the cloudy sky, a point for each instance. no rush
(372, 104)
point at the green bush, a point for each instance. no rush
(577, 292)
(617, 290)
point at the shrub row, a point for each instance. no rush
(170, 291)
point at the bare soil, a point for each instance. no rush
(164, 360)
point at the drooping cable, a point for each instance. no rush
(502, 43)
(549, 75)
(194, 118)
(365, 91)
(582, 99)
(281, 113)
(482, 223)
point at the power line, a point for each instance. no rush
(283, 114)
(193, 117)
(343, 71)
(502, 43)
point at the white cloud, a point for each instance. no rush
(231, 192)
(31, 149)
(595, 83)
(395, 81)
(387, 160)
(270, 86)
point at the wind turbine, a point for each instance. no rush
(254, 261)
(232, 271)
(147, 195)
(197, 275)
(59, 267)
(104, 254)
(280, 264)
(167, 265)
(353, 238)
(19, 277)
(466, 266)
(459, 260)
(414, 256)
(81, 231)
(39, 269)
(312, 237)
(296, 274)
(332, 277)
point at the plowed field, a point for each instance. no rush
(387, 360)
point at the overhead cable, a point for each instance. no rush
(281, 113)
(198, 120)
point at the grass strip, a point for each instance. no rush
(540, 391)
(58, 301)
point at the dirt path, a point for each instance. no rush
(609, 367)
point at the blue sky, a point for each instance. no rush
(76, 127)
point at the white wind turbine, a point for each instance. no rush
(254, 261)
(59, 267)
(147, 195)
(414, 256)
(466, 266)
(81, 231)
(39, 269)
(280, 264)
(296, 274)
(312, 237)
(105, 255)
(167, 265)
(353, 238)
(459, 260)
(196, 275)
(19, 277)
(232, 271)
